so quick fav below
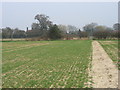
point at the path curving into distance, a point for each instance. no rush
(104, 72)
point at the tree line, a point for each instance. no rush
(101, 32)
(45, 29)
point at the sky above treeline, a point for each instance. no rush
(21, 14)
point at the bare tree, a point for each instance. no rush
(72, 28)
(63, 28)
(89, 28)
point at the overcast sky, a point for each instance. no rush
(21, 14)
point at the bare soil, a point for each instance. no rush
(104, 72)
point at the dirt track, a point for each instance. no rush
(104, 72)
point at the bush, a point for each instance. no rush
(55, 33)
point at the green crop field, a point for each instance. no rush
(45, 64)
(111, 47)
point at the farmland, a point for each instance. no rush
(46, 64)
(111, 47)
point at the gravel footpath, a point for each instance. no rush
(104, 72)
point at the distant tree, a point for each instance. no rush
(36, 31)
(110, 31)
(71, 29)
(12, 33)
(83, 34)
(54, 32)
(33, 33)
(100, 27)
(44, 21)
(116, 26)
(35, 26)
(114, 34)
(68, 31)
(18, 33)
(7, 32)
(63, 28)
(41, 28)
(89, 28)
(102, 32)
